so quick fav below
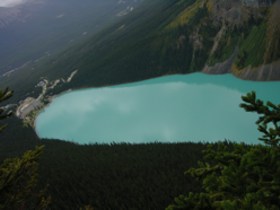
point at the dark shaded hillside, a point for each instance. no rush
(15, 139)
(35, 30)
(168, 37)
(121, 53)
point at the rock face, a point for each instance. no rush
(220, 68)
(257, 56)
(265, 72)
(256, 3)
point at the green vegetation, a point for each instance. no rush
(272, 51)
(18, 179)
(268, 122)
(236, 176)
(117, 176)
(226, 46)
(149, 176)
(4, 95)
(159, 38)
(186, 15)
(252, 47)
(18, 176)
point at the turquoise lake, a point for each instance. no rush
(180, 108)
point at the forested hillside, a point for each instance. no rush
(168, 37)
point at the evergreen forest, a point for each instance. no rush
(223, 175)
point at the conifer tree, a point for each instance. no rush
(239, 176)
(18, 176)
(4, 95)
(18, 179)
(269, 120)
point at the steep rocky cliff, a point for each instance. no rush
(247, 43)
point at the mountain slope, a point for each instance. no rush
(40, 28)
(182, 36)
(171, 36)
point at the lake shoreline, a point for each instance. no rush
(124, 102)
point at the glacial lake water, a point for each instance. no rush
(179, 108)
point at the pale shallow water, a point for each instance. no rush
(178, 108)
